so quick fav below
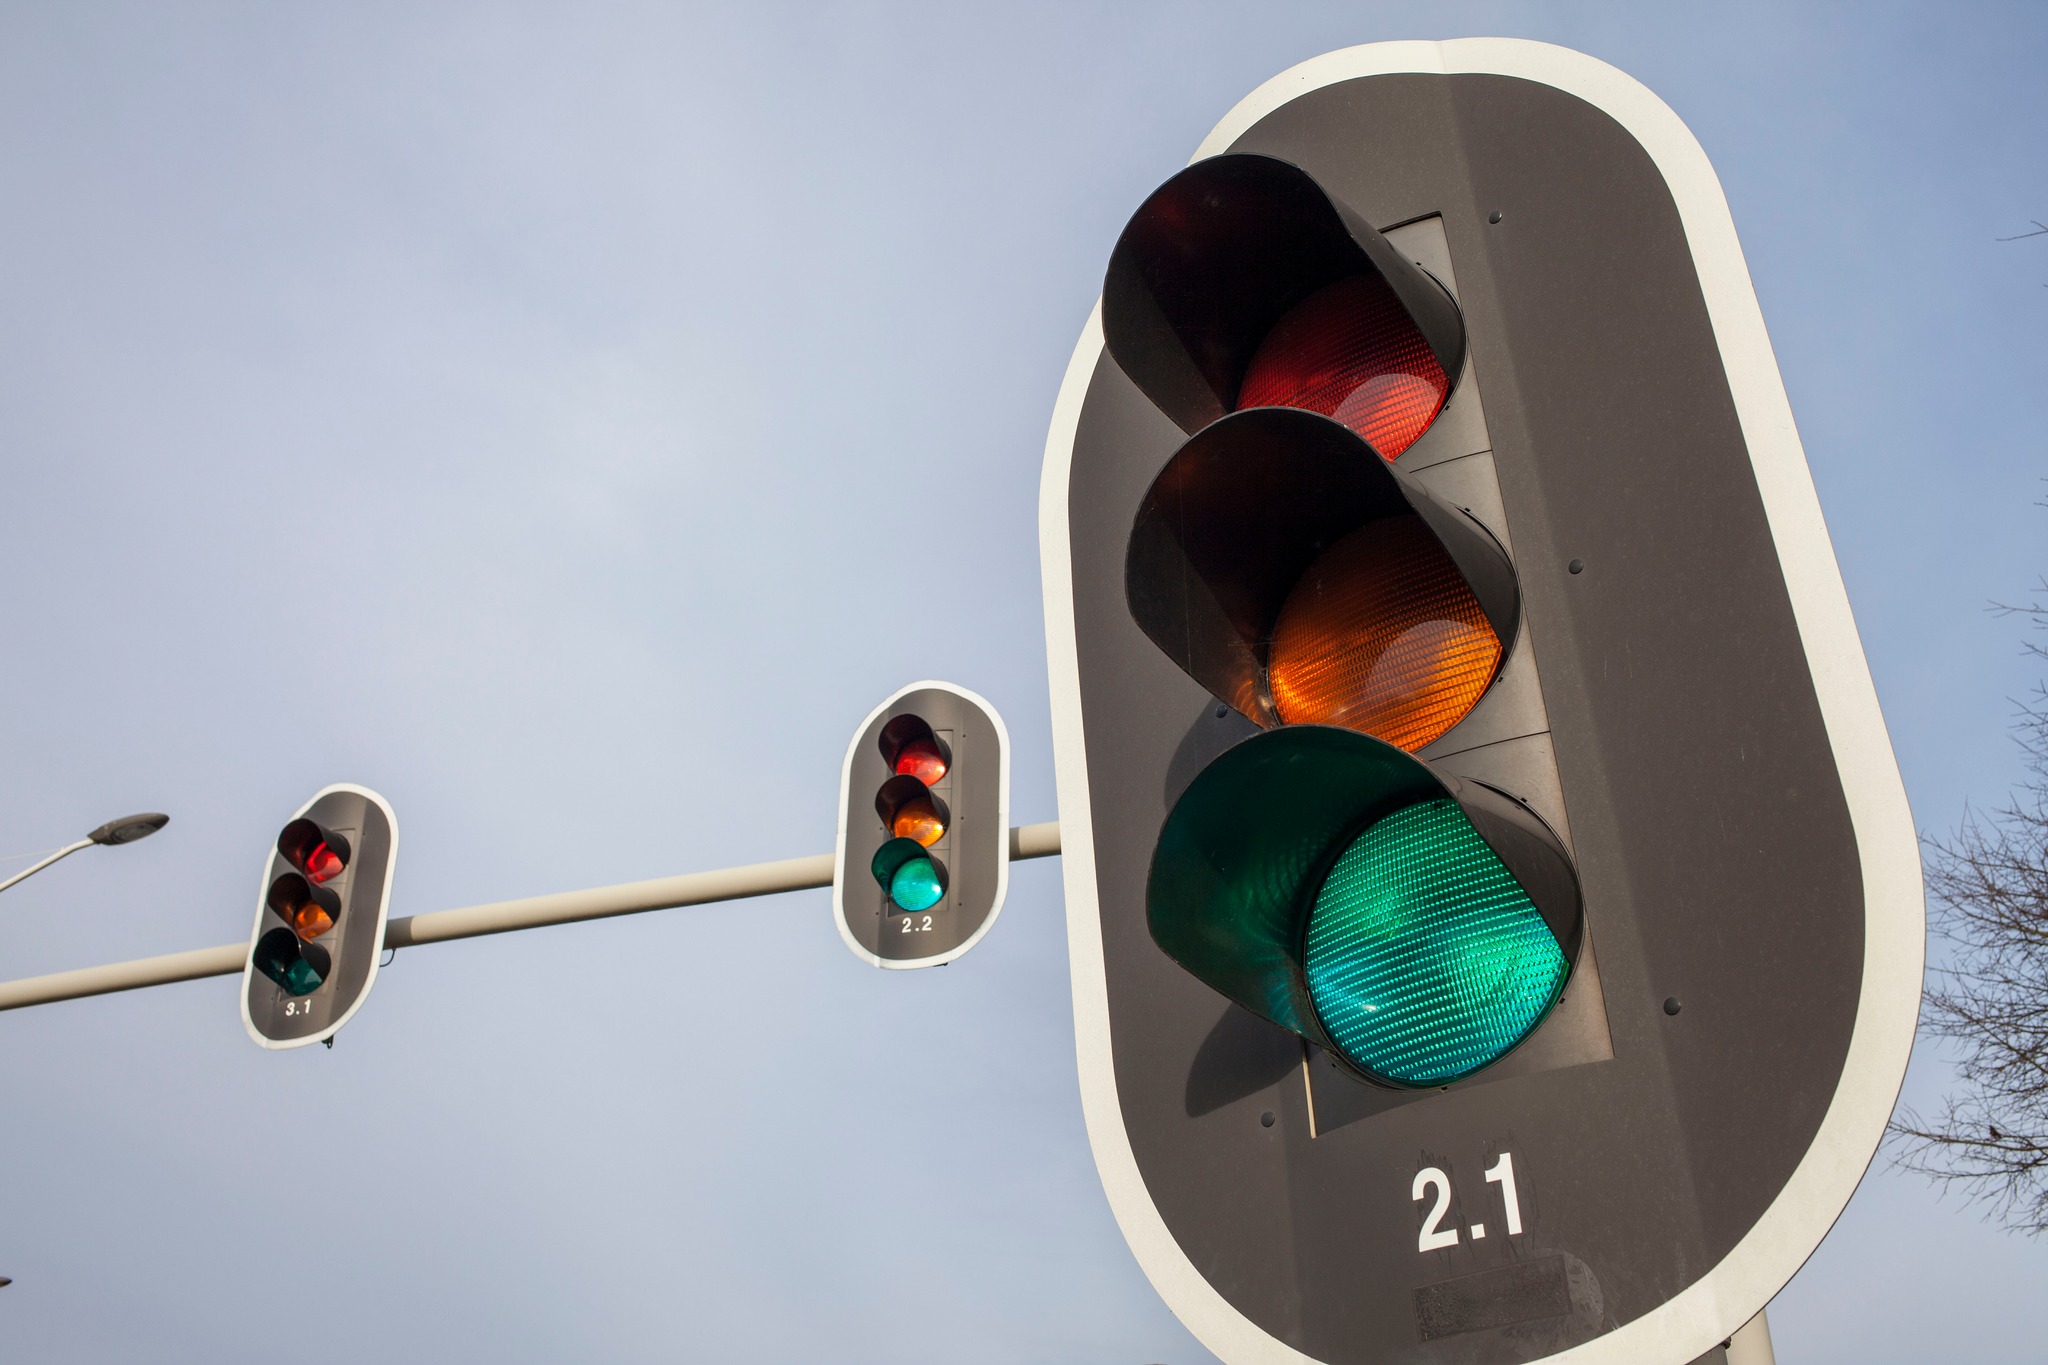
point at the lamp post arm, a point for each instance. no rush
(63, 852)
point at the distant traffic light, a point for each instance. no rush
(923, 853)
(1494, 914)
(320, 922)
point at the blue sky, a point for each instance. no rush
(570, 423)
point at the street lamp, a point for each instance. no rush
(125, 830)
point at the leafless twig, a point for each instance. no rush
(1988, 884)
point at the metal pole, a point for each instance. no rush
(63, 852)
(1752, 1344)
(499, 917)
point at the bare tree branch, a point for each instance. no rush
(1988, 883)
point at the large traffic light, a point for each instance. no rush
(923, 858)
(320, 916)
(1494, 907)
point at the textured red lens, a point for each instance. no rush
(322, 864)
(1350, 351)
(921, 759)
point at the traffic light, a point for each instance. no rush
(1415, 926)
(320, 917)
(1495, 915)
(923, 858)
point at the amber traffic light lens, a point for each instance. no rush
(309, 910)
(919, 823)
(1382, 635)
(909, 810)
(1350, 351)
(922, 759)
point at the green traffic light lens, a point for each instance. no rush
(913, 878)
(1425, 959)
(298, 969)
(916, 885)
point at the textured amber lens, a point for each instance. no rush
(1350, 351)
(312, 920)
(917, 820)
(1382, 635)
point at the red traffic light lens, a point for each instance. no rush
(1350, 351)
(1384, 636)
(911, 750)
(319, 853)
(922, 759)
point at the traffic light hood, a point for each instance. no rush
(1219, 255)
(1248, 885)
(1242, 523)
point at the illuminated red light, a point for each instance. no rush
(323, 863)
(321, 854)
(1350, 351)
(921, 759)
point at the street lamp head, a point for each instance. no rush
(129, 828)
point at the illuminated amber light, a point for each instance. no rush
(1382, 635)
(917, 820)
(1350, 351)
(311, 921)
(310, 913)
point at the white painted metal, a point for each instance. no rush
(1752, 1344)
(60, 854)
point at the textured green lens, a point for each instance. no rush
(916, 885)
(1425, 959)
(299, 971)
(300, 978)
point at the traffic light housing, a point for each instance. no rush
(1493, 908)
(1288, 565)
(320, 917)
(922, 863)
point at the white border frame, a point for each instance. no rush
(1002, 829)
(1735, 1290)
(383, 916)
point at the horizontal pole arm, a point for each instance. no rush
(499, 917)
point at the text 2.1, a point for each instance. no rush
(1435, 1237)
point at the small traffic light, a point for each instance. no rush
(319, 931)
(1495, 916)
(1319, 875)
(923, 853)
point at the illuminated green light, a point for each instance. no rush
(916, 885)
(910, 875)
(1425, 959)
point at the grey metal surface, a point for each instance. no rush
(497, 917)
(1703, 799)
